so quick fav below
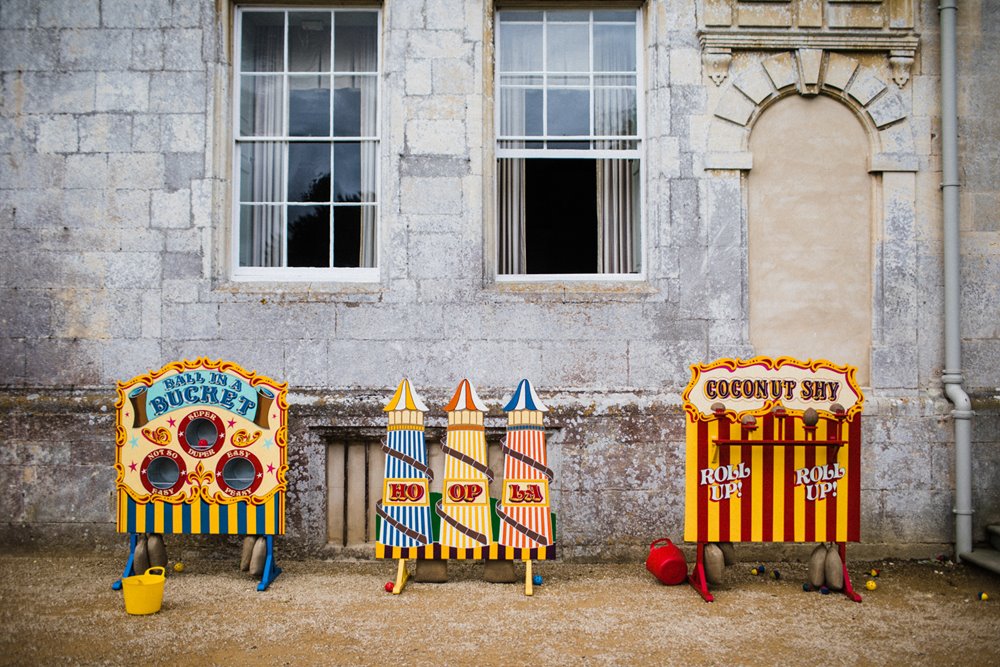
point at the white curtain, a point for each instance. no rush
(261, 238)
(512, 250)
(617, 191)
(364, 58)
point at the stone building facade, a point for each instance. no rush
(786, 192)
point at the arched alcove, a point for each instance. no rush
(809, 233)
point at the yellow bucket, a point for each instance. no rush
(144, 592)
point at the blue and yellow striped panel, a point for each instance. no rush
(202, 518)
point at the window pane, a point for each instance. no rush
(309, 236)
(354, 106)
(521, 111)
(561, 216)
(614, 112)
(355, 42)
(347, 172)
(614, 48)
(261, 108)
(309, 106)
(260, 235)
(347, 236)
(309, 42)
(568, 48)
(568, 112)
(521, 48)
(262, 42)
(261, 166)
(309, 172)
(569, 15)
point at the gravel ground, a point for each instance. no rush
(61, 610)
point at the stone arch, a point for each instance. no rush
(881, 108)
(885, 115)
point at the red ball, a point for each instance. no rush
(203, 443)
(389, 586)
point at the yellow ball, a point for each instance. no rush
(178, 567)
(984, 596)
(871, 585)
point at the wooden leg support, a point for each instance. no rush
(697, 577)
(848, 588)
(529, 580)
(402, 576)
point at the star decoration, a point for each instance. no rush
(232, 423)
(270, 468)
(131, 466)
(268, 443)
(134, 441)
(171, 421)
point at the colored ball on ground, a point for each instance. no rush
(807, 587)
(824, 590)
(982, 596)
(389, 586)
(178, 566)
(537, 580)
(874, 572)
(775, 574)
(871, 585)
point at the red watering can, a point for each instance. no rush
(666, 562)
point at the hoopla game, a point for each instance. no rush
(463, 522)
(773, 454)
(201, 448)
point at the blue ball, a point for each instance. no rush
(537, 580)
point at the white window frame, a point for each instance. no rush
(285, 273)
(593, 154)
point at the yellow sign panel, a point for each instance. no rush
(526, 493)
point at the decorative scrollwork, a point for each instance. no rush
(160, 436)
(242, 438)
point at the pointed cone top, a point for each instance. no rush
(525, 398)
(465, 398)
(406, 398)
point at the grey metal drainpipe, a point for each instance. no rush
(952, 374)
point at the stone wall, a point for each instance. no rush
(114, 206)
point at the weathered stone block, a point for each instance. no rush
(755, 84)
(105, 133)
(171, 209)
(69, 14)
(26, 50)
(96, 50)
(57, 134)
(122, 91)
(136, 170)
(177, 92)
(865, 87)
(839, 70)
(182, 50)
(782, 70)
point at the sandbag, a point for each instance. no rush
(247, 552)
(259, 557)
(834, 569)
(715, 563)
(156, 550)
(140, 559)
(817, 566)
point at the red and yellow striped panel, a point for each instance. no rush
(772, 492)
